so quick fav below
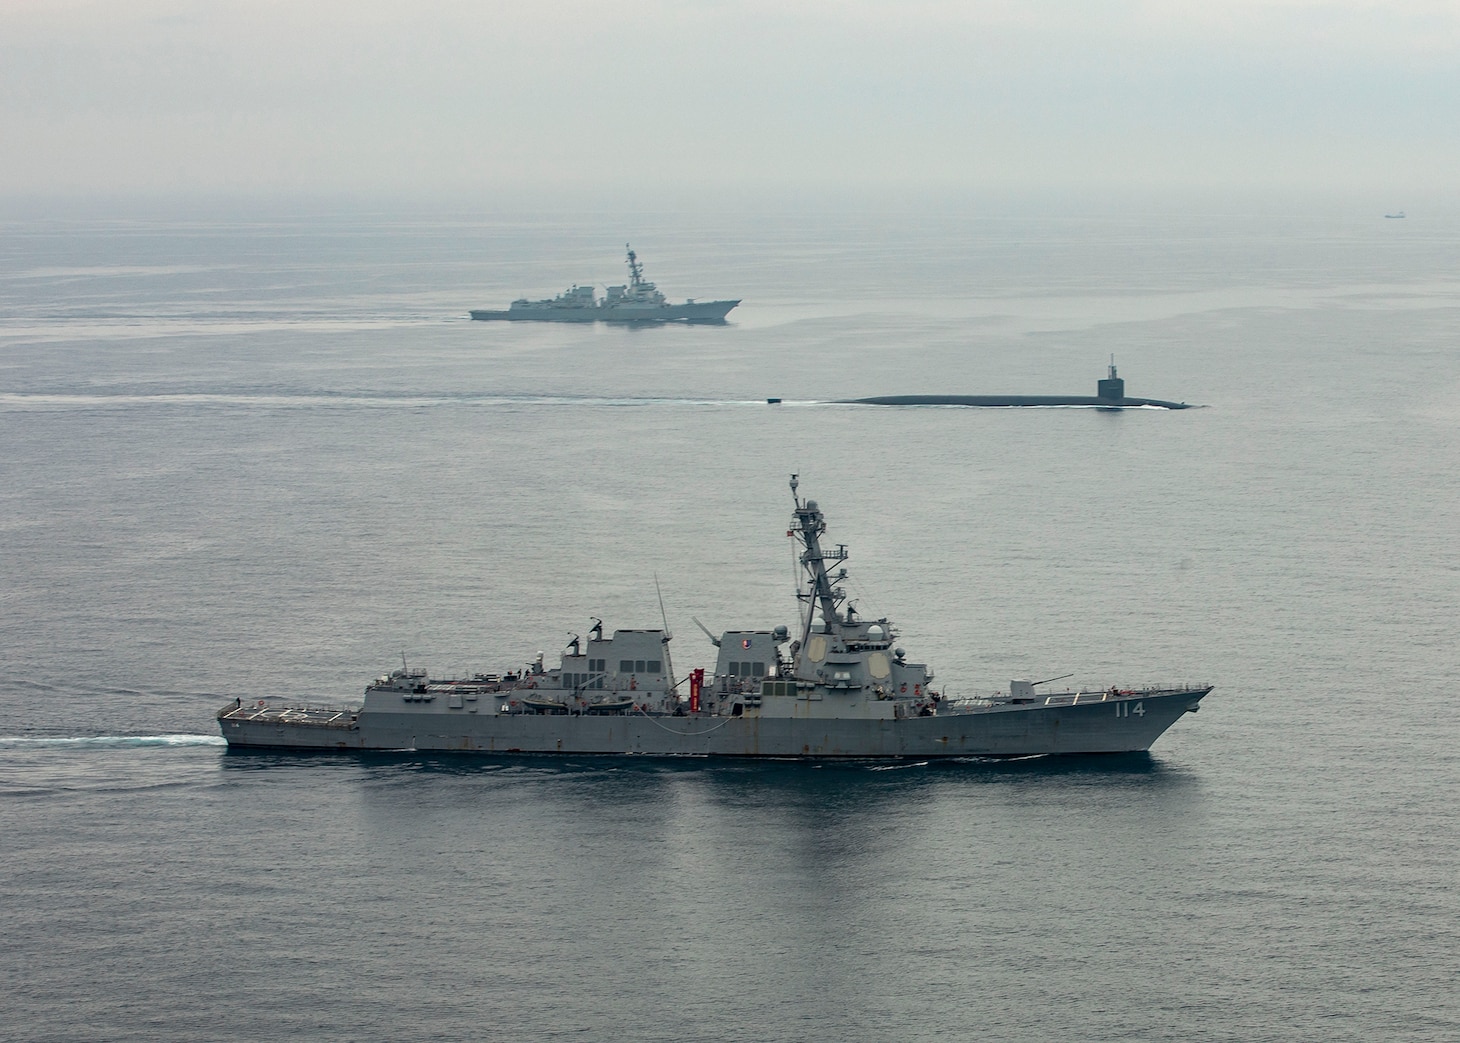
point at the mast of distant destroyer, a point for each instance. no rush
(808, 527)
(636, 270)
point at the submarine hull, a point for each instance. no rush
(1015, 400)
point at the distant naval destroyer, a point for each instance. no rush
(639, 301)
(840, 689)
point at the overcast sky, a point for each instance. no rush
(580, 96)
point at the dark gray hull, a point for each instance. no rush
(708, 312)
(1109, 394)
(1015, 400)
(1101, 724)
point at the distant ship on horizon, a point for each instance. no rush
(638, 301)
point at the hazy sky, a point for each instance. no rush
(578, 96)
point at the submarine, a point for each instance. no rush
(1109, 394)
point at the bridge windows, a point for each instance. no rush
(640, 666)
(571, 680)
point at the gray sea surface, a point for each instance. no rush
(253, 457)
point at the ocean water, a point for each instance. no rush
(250, 457)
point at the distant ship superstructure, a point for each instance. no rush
(638, 301)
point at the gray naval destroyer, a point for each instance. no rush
(639, 301)
(840, 689)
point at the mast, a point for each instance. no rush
(636, 270)
(807, 525)
(668, 637)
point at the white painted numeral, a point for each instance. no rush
(1126, 709)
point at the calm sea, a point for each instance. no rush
(249, 458)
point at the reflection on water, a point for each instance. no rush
(582, 784)
(727, 771)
